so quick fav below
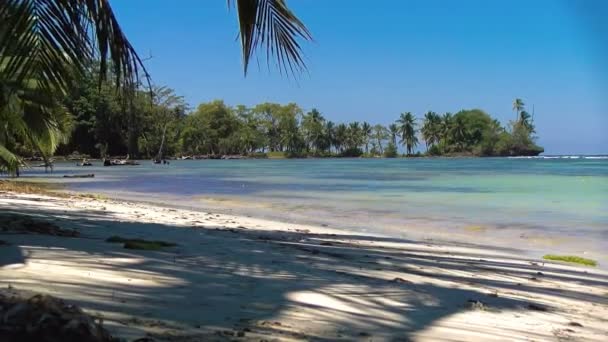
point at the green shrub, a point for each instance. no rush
(390, 151)
(434, 151)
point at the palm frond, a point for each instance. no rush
(9, 162)
(271, 24)
(45, 47)
(47, 40)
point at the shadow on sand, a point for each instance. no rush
(247, 283)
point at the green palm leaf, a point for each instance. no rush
(46, 40)
(271, 24)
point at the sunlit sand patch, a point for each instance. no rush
(82, 270)
(321, 300)
(348, 304)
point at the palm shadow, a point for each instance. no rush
(220, 281)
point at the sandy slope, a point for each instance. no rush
(248, 279)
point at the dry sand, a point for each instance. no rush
(241, 278)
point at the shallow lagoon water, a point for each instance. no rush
(545, 203)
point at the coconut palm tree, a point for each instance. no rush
(380, 134)
(341, 136)
(329, 131)
(446, 124)
(518, 106)
(354, 136)
(525, 119)
(47, 44)
(29, 118)
(458, 132)
(393, 131)
(312, 125)
(431, 128)
(407, 130)
(366, 132)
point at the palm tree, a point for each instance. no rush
(380, 134)
(341, 137)
(29, 117)
(354, 138)
(366, 132)
(525, 119)
(394, 131)
(458, 132)
(312, 125)
(518, 106)
(330, 134)
(446, 125)
(407, 130)
(45, 45)
(431, 128)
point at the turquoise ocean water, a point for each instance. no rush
(547, 203)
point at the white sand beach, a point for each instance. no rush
(242, 278)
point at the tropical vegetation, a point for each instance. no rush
(155, 122)
(47, 46)
(71, 82)
(169, 127)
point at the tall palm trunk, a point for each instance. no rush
(159, 156)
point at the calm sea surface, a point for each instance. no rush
(554, 202)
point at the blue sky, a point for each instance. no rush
(372, 60)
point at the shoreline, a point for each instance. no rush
(68, 158)
(524, 240)
(528, 241)
(244, 278)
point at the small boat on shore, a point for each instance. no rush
(119, 162)
(84, 163)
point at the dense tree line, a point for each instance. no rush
(159, 121)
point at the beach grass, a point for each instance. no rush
(571, 259)
(147, 245)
